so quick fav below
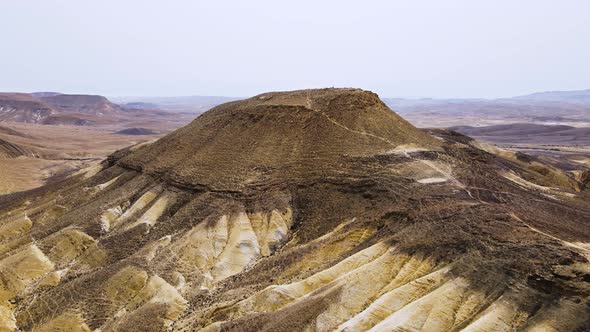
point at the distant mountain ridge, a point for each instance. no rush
(87, 104)
(577, 96)
(557, 107)
(189, 104)
(67, 109)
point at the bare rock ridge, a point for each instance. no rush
(311, 210)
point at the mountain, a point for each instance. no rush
(580, 96)
(45, 94)
(22, 107)
(307, 210)
(79, 110)
(529, 133)
(85, 104)
(136, 131)
(47, 108)
(188, 104)
(560, 108)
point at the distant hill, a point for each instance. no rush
(563, 107)
(22, 107)
(142, 105)
(579, 96)
(190, 104)
(45, 94)
(68, 109)
(136, 131)
(528, 133)
(86, 104)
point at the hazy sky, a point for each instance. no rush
(462, 48)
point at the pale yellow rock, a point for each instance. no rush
(90, 171)
(472, 303)
(393, 301)
(149, 251)
(125, 285)
(215, 327)
(271, 229)
(494, 149)
(51, 279)
(108, 217)
(21, 270)
(211, 252)
(413, 267)
(151, 216)
(198, 250)
(137, 206)
(67, 322)
(7, 320)
(14, 228)
(107, 184)
(357, 289)
(327, 250)
(241, 250)
(179, 280)
(67, 245)
(502, 315)
(275, 297)
(432, 312)
(563, 316)
(156, 295)
(524, 183)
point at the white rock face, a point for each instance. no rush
(151, 216)
(138, 205)
(214, 251)
(107, 184)
(242, 248)
(433, 180)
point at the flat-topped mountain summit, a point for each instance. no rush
(278, 135)
(311, 210)
(86, 104)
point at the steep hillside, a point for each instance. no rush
(313, 210)
(289, 135)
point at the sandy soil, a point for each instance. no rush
(56, 150)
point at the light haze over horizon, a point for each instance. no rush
(439, 49)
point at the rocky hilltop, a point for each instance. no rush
(312, 210)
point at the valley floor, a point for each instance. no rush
(47, 151)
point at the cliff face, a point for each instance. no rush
(307, 210)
